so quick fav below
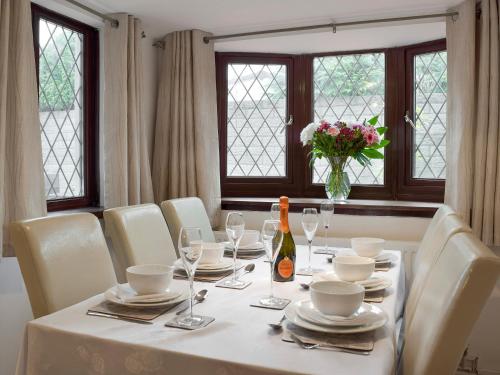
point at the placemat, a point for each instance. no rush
(357, 341)
(375, 297)
(141, 313)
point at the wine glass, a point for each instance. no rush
(310, 225)
(235, 227)
(275, 211)
(326, 211)
(190, 249)
(272, 237)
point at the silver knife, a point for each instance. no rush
(104, 315)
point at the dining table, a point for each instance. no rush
(239, 340)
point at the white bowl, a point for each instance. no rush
(250, 237)
(353, 268)
(212, 253)
(150, 278)
(337, 297)
(367, 247)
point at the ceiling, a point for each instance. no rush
(229, 16)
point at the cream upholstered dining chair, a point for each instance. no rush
(139, 235)
(427, 255)
(453, 296)
(431, 236)
(64, 260)
(187, 212)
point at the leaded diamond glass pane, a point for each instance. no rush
(256, 109)
(431, 87)
(61, 116)
(350, 88)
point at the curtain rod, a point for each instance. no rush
(332, 26)
(114, 22)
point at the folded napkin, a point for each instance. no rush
(357, 341)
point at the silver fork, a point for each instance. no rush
(304, 345)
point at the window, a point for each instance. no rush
(264, 101)
(256, 107)
(67, 62)
(351, 88)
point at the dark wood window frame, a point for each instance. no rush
(398, 184)
(90, 106)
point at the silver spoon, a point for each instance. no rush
(305, 286)
(248, 268)
(279, 325)
(304, 345)
(198, 298)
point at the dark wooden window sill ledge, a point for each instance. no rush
(350, 207)
(97, 211)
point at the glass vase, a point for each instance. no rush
(337, 184)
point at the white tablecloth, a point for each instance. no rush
(238, 342)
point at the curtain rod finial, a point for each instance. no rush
(206, 39)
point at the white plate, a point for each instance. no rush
(228, 265)
(386, 284)
(366, 314)
(368, 284)
(111, 296)
(372, 282)
(258, 246)
(385, 257)
(292, 316)
(223, 264)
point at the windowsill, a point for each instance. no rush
(97, 211)
(350, 207)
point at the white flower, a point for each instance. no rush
(306, 135)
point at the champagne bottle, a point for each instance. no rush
(284, 268)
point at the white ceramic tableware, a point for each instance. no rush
(363, 316)
(336, 297)
(150, 278)
(120, 297)
(367, 246)
(353, 268)
(249, 238)
(212, 253)
(292, 316)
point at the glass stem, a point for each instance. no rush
(326, 237)
(234, 262)
(310, 251)
(191, 287)
(272, 274)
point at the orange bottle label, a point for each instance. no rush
(285, 267)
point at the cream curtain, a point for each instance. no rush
(186, 149)
(473, 129)
(127, 172)
(22, 194)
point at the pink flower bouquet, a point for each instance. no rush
(340, 141)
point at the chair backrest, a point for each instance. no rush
(454, 294)
(429, 238)
(64, 260)
(187, 212)
(139, 235)
(427, 254)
